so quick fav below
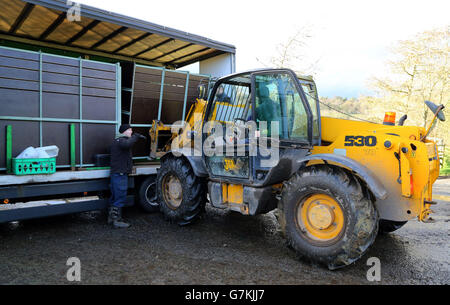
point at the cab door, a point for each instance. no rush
(225, 141)
(284, 124)
(268, 112)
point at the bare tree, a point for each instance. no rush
(419, 71)
(292, 54)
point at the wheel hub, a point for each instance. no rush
(321, 216)
(172, 191)
(175, 188)
(150, 194)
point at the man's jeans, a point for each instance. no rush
(119, 188)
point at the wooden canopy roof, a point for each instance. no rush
(102, 33)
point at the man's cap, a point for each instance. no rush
(124, 127)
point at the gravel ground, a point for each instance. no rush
(222, 248)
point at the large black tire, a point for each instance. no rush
(359, 216)
(388, 226)
(193, 191)
(148, 199)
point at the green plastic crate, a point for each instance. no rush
(21, 167)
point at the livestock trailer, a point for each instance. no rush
(72, 84)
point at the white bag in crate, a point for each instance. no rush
(48, 151)
(40, 152)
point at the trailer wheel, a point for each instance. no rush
(181, 194)
(388, 226)
(327, 216)
(148, 198)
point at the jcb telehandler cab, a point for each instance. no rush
(259, 144)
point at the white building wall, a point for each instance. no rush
(219, 66)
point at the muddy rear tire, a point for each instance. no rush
(181, 194)
(147, 195)
(327, 216)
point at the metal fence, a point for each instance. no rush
(41, 93)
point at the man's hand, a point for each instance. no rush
(140, 136)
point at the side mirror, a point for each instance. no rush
(436, 109)
(402, 120)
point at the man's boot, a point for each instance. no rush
(115, 218)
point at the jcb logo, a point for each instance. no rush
(229, 164)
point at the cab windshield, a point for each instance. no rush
(278, 101)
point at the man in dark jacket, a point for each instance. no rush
(121, 167)
(221, 96)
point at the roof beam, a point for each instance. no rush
(79, 50)
(187, 55)
(204, 57)
(78, 35)
(53, 26)
(173, 51)
(132, 42)
(154, 47)
(110, 36)
(23, 15)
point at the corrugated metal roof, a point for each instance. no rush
(103, 33)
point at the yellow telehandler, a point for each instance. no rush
(259, 143)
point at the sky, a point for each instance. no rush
(350, 39)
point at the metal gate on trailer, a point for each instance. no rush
(42, 95)
(158, 94)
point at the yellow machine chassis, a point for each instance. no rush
(408, 178)
(407, 166)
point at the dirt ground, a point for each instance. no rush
(222, 248)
